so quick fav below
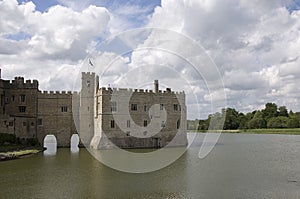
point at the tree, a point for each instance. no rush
(283, 111)
(293, 122)
(231, 119)
(203, 124)
(270, 111)
(278, 122)
(257, 121)
(242, 121)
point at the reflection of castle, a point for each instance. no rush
(104, 116)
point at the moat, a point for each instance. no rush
(240, 166)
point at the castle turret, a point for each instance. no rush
(89, 84)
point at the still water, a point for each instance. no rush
(240, 166)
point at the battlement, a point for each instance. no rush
(58, 93)
(19, 83)
(87, 74)
(145, 91)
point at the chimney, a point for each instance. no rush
(156, 86)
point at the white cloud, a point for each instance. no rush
(254, 43)
(56, 41)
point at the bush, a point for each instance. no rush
(32, 142)
(9, 138)
(278, 122)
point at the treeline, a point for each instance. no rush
(271, 116)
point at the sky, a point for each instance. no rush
(255, 46)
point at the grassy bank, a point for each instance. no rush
(294, 131)
(18, 154)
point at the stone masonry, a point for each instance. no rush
(105, 117)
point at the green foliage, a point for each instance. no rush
(269, 117)
(32, 142)
(294, 121)
(278, 122)
(257, 122)
(283, 111)
(231, 119)
(270, 111)
(7, 138)
(203, 124)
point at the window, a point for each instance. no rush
(113, 106)
(128, 123)
(175, 107)
(22, 98)
(112, 124)
(13, 98)
(11, 123)
(32, 124)
(88, 83)
(145, 122)
(24, 123)
(163, 124)
(22, 109)
(145, 108)
(127, 133)
(179, 107)
(161, 107)
(39, 122)
(178, 123)
(64, 109)
(2, 100)
(134, 107)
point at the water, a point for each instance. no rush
(240, 166)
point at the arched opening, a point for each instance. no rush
(51, 144)
(74, 143)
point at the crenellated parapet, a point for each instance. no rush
(57, 94)
(167, 92)
(19, 83)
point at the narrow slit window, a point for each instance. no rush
(112, 124)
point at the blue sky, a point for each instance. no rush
(43, 5)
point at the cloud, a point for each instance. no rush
(255, 45)
(50, 45)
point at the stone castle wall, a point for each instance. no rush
(131, 128)
(28, 112)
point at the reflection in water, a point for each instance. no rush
(51, 144)
(240, 166)
(74, 143)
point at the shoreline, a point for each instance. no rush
(17, 154)
(293, 131)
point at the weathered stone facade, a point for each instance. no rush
(105, 117)
(29, 113)
(131, 118)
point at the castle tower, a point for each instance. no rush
(89, 86)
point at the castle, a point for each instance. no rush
(103, 117)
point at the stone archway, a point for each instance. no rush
(50, 142)
(74, 143)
